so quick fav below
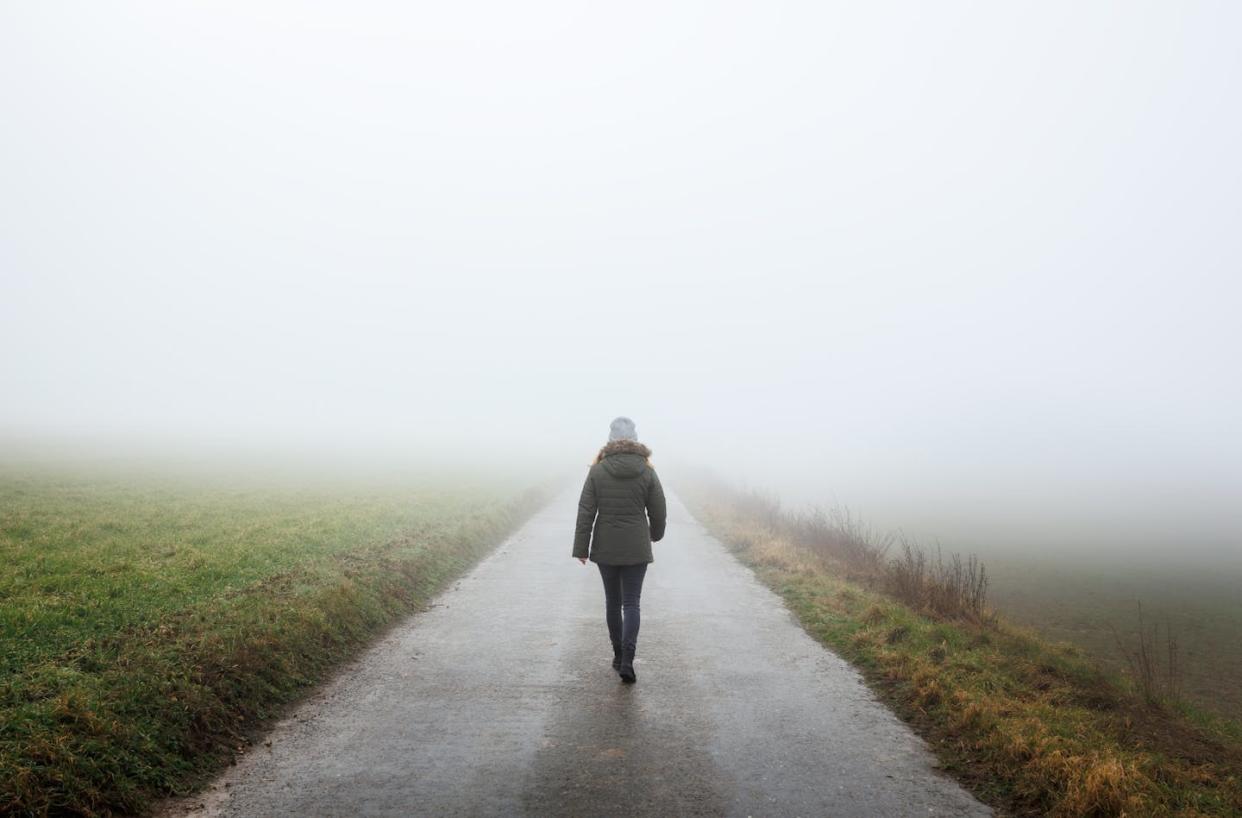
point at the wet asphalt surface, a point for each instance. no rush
(501, 700)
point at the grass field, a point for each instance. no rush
(1082, 601)
(1031, 726)
(150, 624)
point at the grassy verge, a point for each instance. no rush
(1031, 727)
(149, 626)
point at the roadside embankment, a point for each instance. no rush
(151, 627)
(1032, 727)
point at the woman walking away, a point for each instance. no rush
(621, 512)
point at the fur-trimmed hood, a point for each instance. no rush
(623, 447)
(624, 458)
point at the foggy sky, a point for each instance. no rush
(969, 268)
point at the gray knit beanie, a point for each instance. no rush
(622, 429)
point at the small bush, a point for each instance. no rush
(950, 588)
(1143, 657)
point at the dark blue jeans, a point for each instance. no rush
(623, 585)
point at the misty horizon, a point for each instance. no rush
(969, 271)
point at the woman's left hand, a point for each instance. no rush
(581, 560)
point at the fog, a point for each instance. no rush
(970, 269)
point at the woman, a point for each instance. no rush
(622, 505)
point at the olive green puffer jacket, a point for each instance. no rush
(622, 503)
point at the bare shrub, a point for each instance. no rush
(950, 588)
(1173, 686)
(761, 507)
(1143, 659)
(841, 537)
(959, 586)
(860, 544)
(906, 577)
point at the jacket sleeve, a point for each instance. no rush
(587, 508)
(657, 510)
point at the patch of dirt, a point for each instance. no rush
(1156, 730)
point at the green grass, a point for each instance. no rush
(148, 625)
(1031, 726)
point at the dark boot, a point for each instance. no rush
(627, 666)
(616, 655)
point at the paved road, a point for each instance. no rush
(500, 700)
